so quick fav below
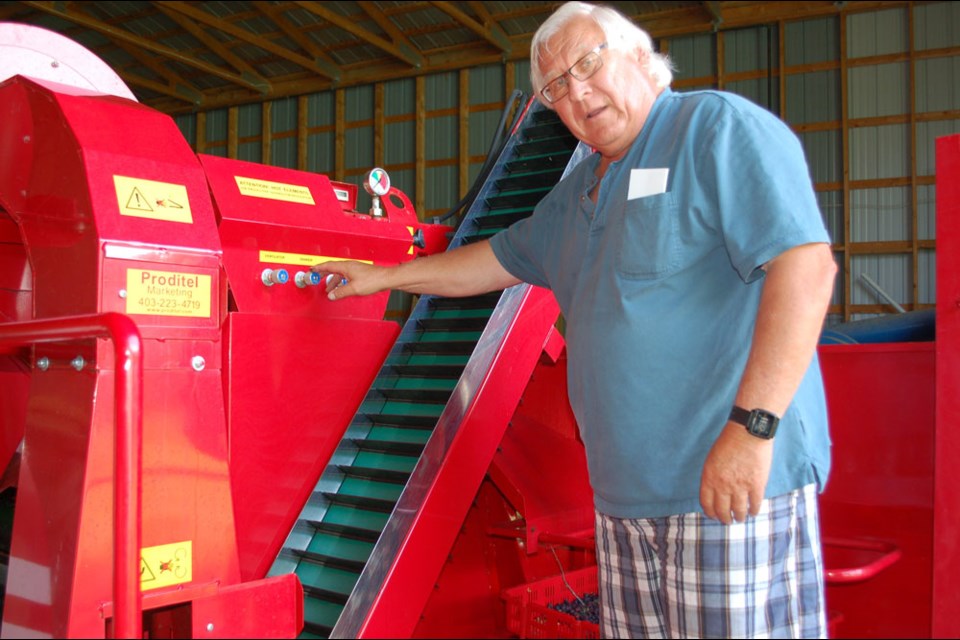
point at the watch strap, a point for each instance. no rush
(740, 415)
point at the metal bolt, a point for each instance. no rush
(198, 363)
(210, 627)
(26, 139)
(122, 293)
(43, 363)
(77, 363)
(54, 64)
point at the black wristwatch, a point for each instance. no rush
(758, 422)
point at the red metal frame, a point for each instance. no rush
(128, 405)
(946, 520)
(891, 509)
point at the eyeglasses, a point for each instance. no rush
(582, 69)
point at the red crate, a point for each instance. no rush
(528, 615)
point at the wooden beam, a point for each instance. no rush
(266, 133)
(176, 87)
(70, 14)
(302, 125)
(463, 132)
(378, 124)
(489, 30)
(250, 38)
(421, 145)
(396, 35)
(340, 134)
(845, 160)
(214, 45)
(408, 56)
(233, 129)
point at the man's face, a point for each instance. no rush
(608, 109)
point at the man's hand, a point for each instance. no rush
(735, 475)
(345, 278)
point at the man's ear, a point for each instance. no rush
(642, 55)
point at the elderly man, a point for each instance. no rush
(694, 271)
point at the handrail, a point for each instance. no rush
(122, 331)
(880, 556)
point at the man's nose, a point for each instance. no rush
(576, 89)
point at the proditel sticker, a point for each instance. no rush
(300, 259)
(165, 565)
(256, 188)
(150, 199)
(168, 293)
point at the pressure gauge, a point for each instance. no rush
(377, 182)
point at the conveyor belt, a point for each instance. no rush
(339, 528)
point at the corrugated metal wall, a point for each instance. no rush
(867, 93)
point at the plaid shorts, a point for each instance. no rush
(688, 576)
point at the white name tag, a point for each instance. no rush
(647, 182)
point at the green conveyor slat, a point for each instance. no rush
(411, 409)
(390, 446)
(426, 370)
(471, 312)
(419, 396)
(448, 336)
(461, 324)
(346, 516)
(367, 489)
(444, 359)
(395, 420)
(425, 383)
(417, 436)
(379, 460)
(333, 579)
(339, 546)
(440, 347)
(377, 474)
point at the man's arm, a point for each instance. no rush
(796, 292)
(465, 271)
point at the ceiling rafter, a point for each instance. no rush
(176, 86)
(400, 40)
(274, 13)
(214, 45)
(402, 52)
(489, 30)
(72, 15)
(244, 35)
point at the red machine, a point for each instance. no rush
(249, 377)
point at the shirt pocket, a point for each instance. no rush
(649, 242)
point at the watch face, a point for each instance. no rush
(762, 424)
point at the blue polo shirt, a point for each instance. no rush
(659, 286)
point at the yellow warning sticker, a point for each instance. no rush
(300, 259)
(168, 293)
(165, 565)
(150, 199)
(256, 188)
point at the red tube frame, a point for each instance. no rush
(123, 332)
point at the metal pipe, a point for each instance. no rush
(123, 332)
(880, 292)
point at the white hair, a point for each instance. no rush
(620, 32)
